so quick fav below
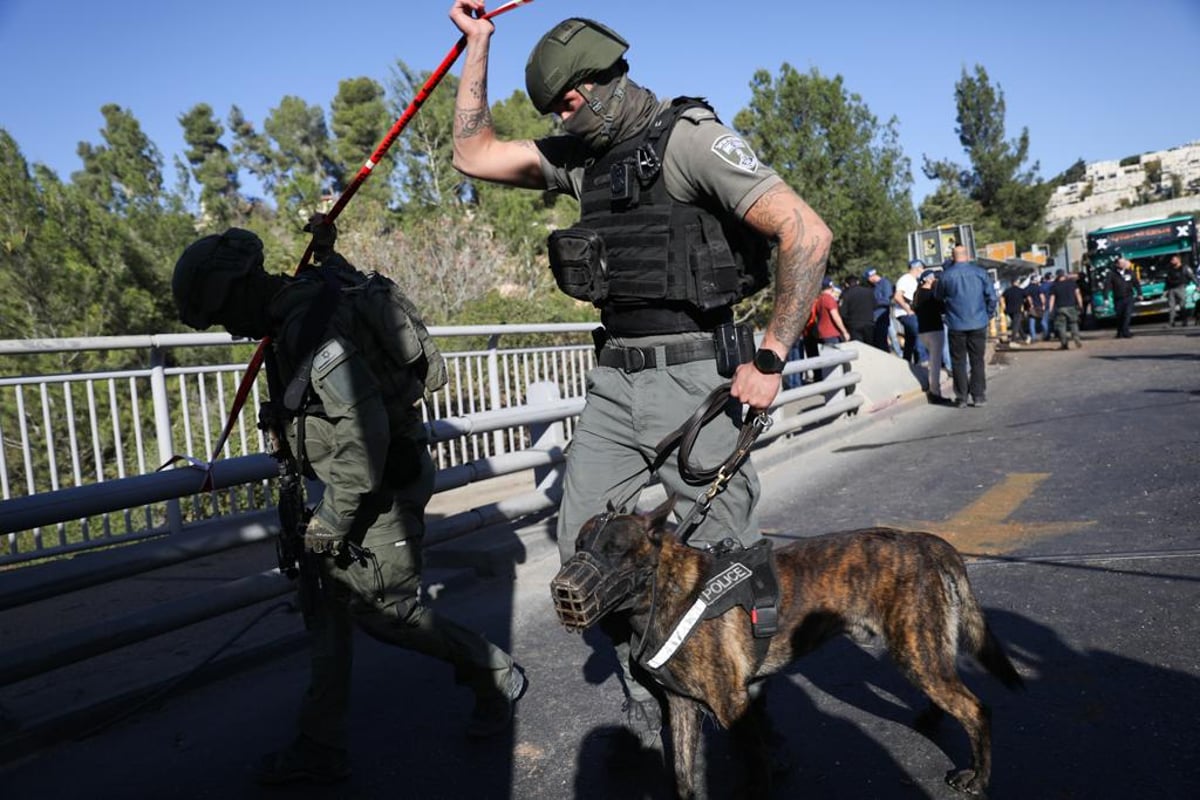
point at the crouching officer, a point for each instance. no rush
(357, 428)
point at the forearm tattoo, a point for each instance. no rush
(472, 121)
(801, 261)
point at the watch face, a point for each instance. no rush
(768, 361)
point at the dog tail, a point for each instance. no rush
(977, 634)
(992, 656)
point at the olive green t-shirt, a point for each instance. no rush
(704, 159)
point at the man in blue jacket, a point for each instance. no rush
(970, 299)
(882, 313)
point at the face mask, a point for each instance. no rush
(244, 311)
(595, 122)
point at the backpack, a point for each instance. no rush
(399, 329)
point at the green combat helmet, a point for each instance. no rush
(208, 270)
(572, 51)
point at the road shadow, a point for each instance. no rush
(1092, 723)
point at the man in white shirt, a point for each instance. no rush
(906, 317)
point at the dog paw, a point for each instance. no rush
(966, 781)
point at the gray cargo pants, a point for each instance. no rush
(626, 415)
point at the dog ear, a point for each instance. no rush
(655, 521)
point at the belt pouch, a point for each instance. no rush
(734, 345)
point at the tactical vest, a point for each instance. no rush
(663, 266)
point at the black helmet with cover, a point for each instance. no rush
(573, 51)
(210, 271)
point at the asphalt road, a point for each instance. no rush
(1075, 490)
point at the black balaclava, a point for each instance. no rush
(244, 311)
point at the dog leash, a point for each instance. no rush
(684, 437)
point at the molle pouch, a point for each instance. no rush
(579, 264)
(713, 268)
(623, 184)
(734, 345)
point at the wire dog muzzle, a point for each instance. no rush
(587, 588)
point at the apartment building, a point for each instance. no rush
(1111, 185)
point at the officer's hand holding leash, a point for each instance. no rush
(757, 382)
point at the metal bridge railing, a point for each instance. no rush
(73, 429)
(538, 424)
(98, 429)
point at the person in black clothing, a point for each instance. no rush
(857, 305)
(931, 332)
(1177, 278)
(1015, 304)
(1123, 283)
(1065, 301)
(1037, 309)
(1085, 296)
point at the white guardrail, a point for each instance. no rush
(71, 443)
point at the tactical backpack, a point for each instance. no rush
(398, 327)
(405, 356)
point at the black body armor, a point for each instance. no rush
(651, 264)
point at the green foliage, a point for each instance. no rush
(506, 308)
(825, 142)
(90, 257)
(212, 166)
(1011, 198)
(359, 121)
(1072, 174)
(1153, 171)
(426, 178)
(292, 156)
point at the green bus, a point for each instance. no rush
(1149, 245)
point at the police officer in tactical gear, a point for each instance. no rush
(357, 429)
(675, 212)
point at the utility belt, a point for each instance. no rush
(731, 345)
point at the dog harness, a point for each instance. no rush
(741, 576)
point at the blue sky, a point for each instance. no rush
(1089, 80)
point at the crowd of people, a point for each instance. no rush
(936, 317)
(923, 318)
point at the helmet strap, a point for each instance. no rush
(601, 131)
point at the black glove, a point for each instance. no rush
(324, 235)
(321, 539)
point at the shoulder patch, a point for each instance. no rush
(328, 355)
(733, 149)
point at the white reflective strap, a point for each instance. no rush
(689, 621)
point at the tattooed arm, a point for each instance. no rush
(478, 152)
(804, 242)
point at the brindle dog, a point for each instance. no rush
(909, 588)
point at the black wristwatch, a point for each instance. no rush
(768, 362)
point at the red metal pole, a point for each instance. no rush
(365, 172)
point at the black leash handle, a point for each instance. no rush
(685, 437)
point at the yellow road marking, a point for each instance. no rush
(983, 527)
